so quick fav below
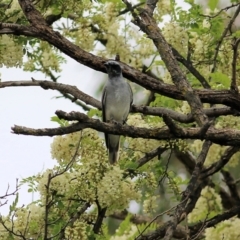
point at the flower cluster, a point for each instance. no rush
(184, 108)
(150, 204)
(176, 36)
(14, 12)
(142, 146)
(93, 178)
(115, 192)
(214, 154)
(63, 148)
(84, 38)
(11, 52)
(127, 234)
(58, 185)
(47, 58)
(227, 230)
(28, 222)
(163, 8)
(199, 46)
(208, 205)
(77, 231)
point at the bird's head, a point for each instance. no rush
(113, 68)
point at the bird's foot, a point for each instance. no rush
(115, 122)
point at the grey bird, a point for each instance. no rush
(116, 103)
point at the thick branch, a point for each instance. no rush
(149, 26)
(187, 158)
(34, 16)
(44, 32)
(96, 63)
(101, 215)
(219, 136)
(173, 127)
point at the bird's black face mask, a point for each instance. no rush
(113, 69)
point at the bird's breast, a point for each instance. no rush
(117, 104)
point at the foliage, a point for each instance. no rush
(188, 177)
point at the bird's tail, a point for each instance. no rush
(113, 147)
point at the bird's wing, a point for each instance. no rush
(131, 93)
(104, 95)
(131, 101)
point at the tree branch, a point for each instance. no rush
(136, 219)
(97, 63)
(191, 68)
(155, 111)
(181, 212)
(215, 220)
(234, 86)
(150, 155)
(226, 30)
(215, 167)
(219, 136)
(33, 16)
(189, 162)
(101, 215)
(172, 126)
(63, 88)
(229, 180)
(7, 194)
(148, 25)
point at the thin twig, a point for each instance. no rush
(223, 9)
(219, 43)
(156, 217)
(215, 167)
(234, 86)
(165, 174)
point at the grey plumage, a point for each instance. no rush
(116, 103)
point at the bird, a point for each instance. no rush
(117, 100)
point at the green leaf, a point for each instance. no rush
(236, 34)
(124, 226)
(220, 78)
(12, 207)
(94, 112)
(212, 4)
(131, 165)
(162, 101)
(189, 1)
(61, 122)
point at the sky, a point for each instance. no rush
(23, 156)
